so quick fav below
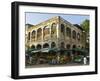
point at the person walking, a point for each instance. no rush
(58, 59)
(85, 60)
(30, 60)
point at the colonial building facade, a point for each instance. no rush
(54, 33)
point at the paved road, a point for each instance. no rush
(49, 65)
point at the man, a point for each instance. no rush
(30, 60)
(85, 60)
(58, 59)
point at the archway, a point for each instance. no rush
(74, 46)
(38, 46)
(33, 47)
(39, 33)
(74, 34)
(62, 45)
(46, 45)
(53, 29)
(53, 45)
(62, 29)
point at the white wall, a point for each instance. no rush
(5, 40)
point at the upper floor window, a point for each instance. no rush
(78, 36)
(46, 30)
(53, 28)
(39, 32)
(68, 46)
(62, 45)
(62, 28)
(33, 33)
(74, 34)
(68, 32)
(29, 36)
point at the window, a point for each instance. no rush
(78, 36)
(62, 28)
(53, 29)
(68, 32)
(39, 33)
(74, 46)
(29, 36)
(79, 46)
(33, 34)
(46, 30)
(62, 45)
(53, 45)
(74, 34)
(68, 46)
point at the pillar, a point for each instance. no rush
(57, 35)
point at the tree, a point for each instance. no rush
(85, 25)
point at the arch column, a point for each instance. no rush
(65, 33)
(57, 31)
(57, 28)
(42, 35)
(36, 36)
(49, 30)
(29, 39)
(50, 36)
(42, 38)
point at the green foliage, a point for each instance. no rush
(85, 25)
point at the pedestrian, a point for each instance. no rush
(72, 57)
(53, 61)
(85, 60)
(30, 60)
(58, 59)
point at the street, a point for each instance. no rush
(56, 65)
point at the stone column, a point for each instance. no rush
(50, 36)
(30, 39)
(42, 38)
(26, 34)
(57, 31)
(57, 28)
(36, 36)
(65, 33)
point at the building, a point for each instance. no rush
(54, 33)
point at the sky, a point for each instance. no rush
(36, 18)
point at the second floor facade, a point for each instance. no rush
(56, 30)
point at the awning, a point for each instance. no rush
(76, 49)
(45, 50)
(36, 51)
(49, 50)
(82, 51)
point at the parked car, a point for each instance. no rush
(78, 59)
